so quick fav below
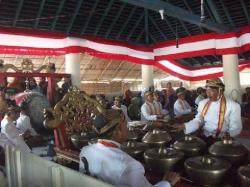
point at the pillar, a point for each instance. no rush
(72, 67)
(147, 76)
(231, 76)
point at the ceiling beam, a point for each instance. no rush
(105, 69)
(84, 70)
(77, 8)
(180, 13)
(126, 23)
(245, 10)
(103, 17)
(152, 37)
(116, 72)
(227, 13)
(89, 17)
(58, 12)
(114, 21)
(170, 27)
(209, 12)
(134, 27)
(157, 27)
(205, 59)
(139, 75)
(19, 8)
(45, 59)
(146, 26)
(15, 61)
(187, 5)
(195, 61)
(132, 67)
(214, 11)
(185, 28)
(39, 13)
(139, 36)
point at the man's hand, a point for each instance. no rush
(160, 116)
(171, 177)
(178, 126)
(26, 135)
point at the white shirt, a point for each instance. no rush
(148, 112)
(3, 181)
(23, 124)
(12, 133)
(198, 99)
(232, 120)
(181, 107)
(158, 108)
(115, 167)
(4, 140)
(124, 109)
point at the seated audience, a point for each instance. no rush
(181, 106)
(201, 95)
(118, 106)
(106, 161)
(148, 109)
(3, 180)
(127, 98)
(246, 96)
(170, 99)
(134, 109)
(180, 88)
(10, 131)
(42, 85)
(246, 102)
(157, 104)
(3, 105)
(24, 127)
(170, 89)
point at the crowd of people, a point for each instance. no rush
(153, 104)
(215, 114)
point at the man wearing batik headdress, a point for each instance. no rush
(216, 115)
(106, 161)
(148, 109)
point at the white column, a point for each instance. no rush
(231, 76)
(72, 66)
(147, 76)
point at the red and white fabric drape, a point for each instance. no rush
(161, 55)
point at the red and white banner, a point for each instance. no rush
(206, 44)
(34, 44)
(162, 55)
(195, 74)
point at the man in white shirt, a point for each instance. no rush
(181, 106)
(202, 95)
(3, 180)
(148, 110)
(24, 127)
(23, 124)
(106, 161)
(11, 132)
(216, 115)
(118, 106)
